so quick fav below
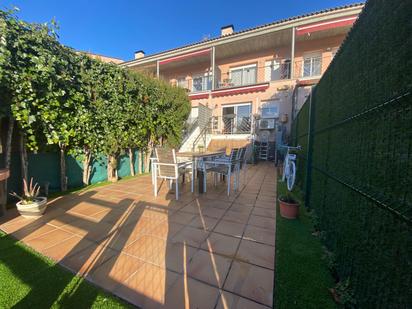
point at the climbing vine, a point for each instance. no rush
(57, 97)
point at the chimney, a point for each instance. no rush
(226, 30)
(139, 54)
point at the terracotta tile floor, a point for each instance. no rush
(202, 251)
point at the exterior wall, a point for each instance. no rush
(186, 72)
(280, 91)
(325, 47)
(281, 52)
(289, 91)
(274, 92)
(104, 58)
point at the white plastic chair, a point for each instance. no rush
(167, 167)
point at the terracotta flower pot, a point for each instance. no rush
(33, 210)
(4, 174)
(289, 210)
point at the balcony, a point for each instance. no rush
(249, 75)
(231, 124)
(306, 67)
(193, 84)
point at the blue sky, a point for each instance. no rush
(119, 27)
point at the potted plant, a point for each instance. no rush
(289, 207)
(30, 204)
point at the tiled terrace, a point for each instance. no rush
(206, 251)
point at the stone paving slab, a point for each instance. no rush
(202, 251)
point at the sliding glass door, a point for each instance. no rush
(237, 118)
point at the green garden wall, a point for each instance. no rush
(356, 163)
(45, 167)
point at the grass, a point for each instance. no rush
(302, 278)
(29, 280)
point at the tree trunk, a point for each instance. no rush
(87, 169)
(131, 159)
(7, 159)
(148, 154)
(23, 158)
(63, 178)
(112, 168)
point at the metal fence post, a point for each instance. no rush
(309, 153)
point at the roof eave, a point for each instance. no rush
(299, 21)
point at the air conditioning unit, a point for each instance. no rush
(266, 123)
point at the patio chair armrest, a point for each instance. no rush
(183, 164)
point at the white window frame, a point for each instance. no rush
(181, 79)
(206, 76)
(274, 103)
(311, 56)
(243, 67)
(236, 105)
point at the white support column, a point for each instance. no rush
(157, 69)
(292, 55)
(213, 68)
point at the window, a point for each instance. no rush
(245, 75)
(182, 82)
(237, 118)
(276, 70)
(270, 109)
(312, 65)
(202, 82)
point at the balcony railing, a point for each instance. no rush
(306, 68)
(311, 67)
(231, 124)
(195, 84)
(250, 75)
(201, 83)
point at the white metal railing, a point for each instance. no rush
(231, 124)
(273, 70)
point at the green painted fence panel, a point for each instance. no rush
(124, 166)
(45, 168)
(99, 170)
(74, 172)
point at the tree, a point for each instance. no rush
(45, 89)
(57, 97)
(13, 88)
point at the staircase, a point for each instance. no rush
(192, 141)
(198, 133)
(263, 150)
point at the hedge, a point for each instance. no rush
(356, 163)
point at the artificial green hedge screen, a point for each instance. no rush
(356, 163)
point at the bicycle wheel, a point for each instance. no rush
(292, 175)
(285, 168)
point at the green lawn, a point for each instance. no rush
(302, 279)
(29, 280)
